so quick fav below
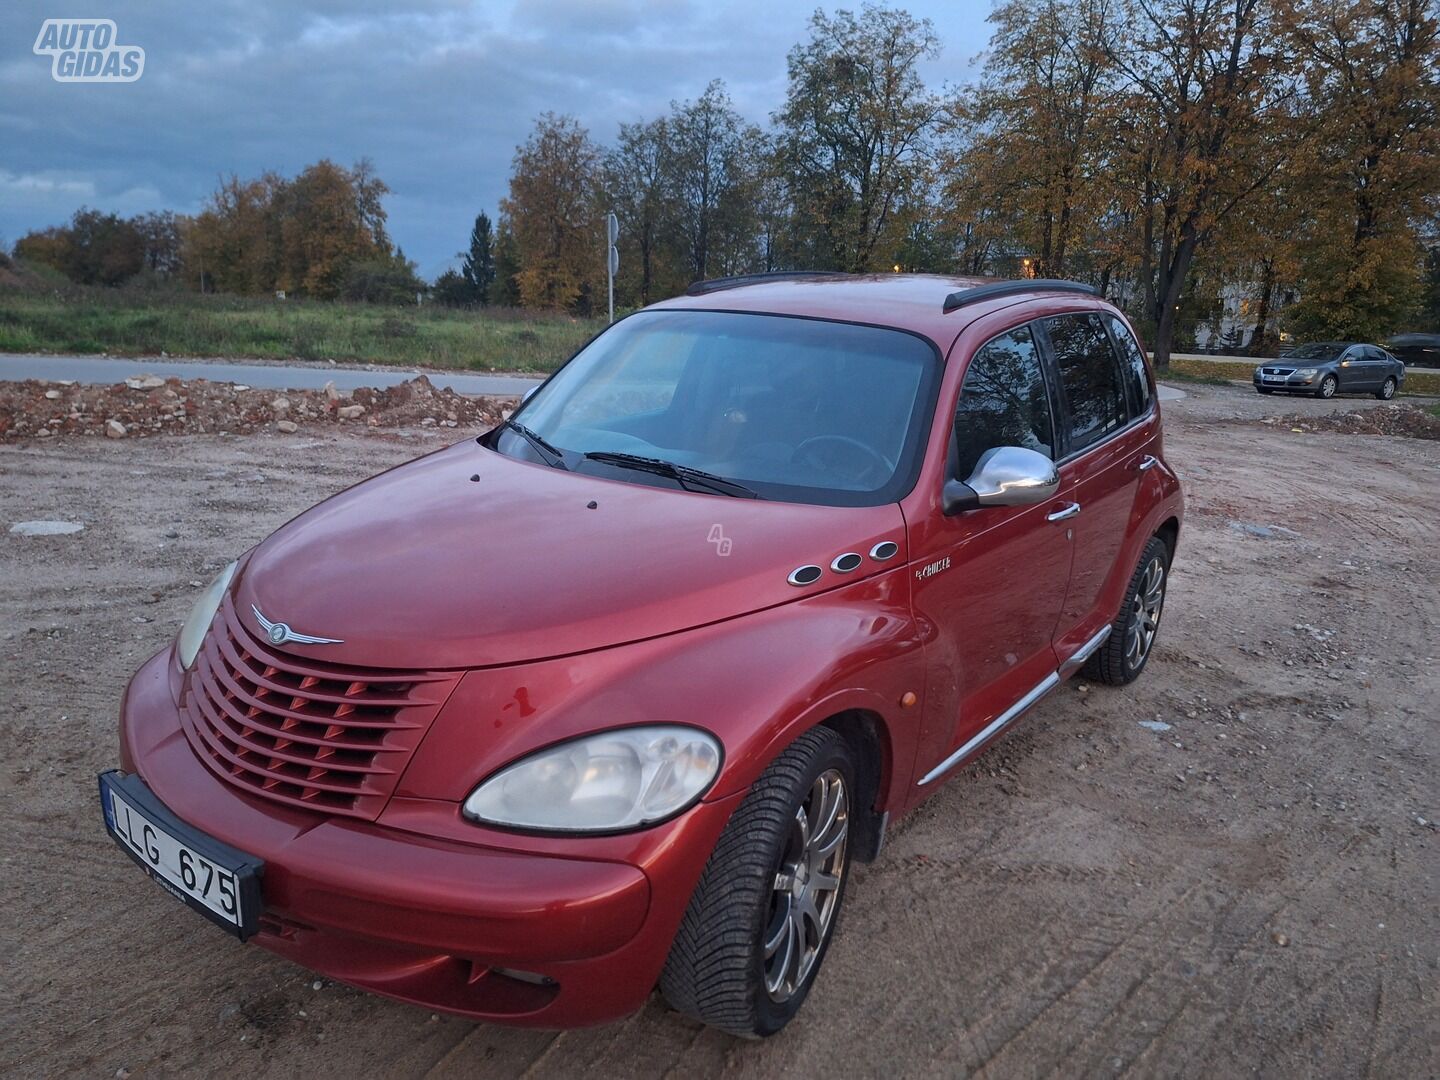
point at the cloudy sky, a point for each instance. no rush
(436, 92)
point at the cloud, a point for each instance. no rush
(436, 93)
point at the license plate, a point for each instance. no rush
(211, 877)
(1273, 378)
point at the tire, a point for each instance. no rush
(1119, 662)
(1387, 389)
(718, 970)
(1328, 385)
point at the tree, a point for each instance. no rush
(300, 235)
(329, 217)
(638, 182)
(1373, 72)
(385, 279)
(478, 269)
(1036, 130)
(855, 133)
(451, 289)
(505, 292)
(163, 241)
(713, 171)
(94, 249)
(1205, 127)
(553, 212)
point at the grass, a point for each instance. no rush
(138, 323)
(1220, 372)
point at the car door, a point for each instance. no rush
(1378, 367)
(1353, 371)
(988, 584)
(1105, 435)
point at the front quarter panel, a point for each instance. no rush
(756, 682)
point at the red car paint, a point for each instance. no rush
(558, 619)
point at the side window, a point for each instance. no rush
(1133, 361)
(1090, 375)
(1003, 401)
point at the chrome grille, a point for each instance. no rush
(327, 737)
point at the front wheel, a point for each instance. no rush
(762, 917)
(1328, 385)
(1387, 390)
(1123, 655)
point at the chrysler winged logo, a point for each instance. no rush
(278, 633)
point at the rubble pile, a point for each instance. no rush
(1404, 420)
(149, 405)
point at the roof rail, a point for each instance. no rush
(1010, 288)
(709, 285)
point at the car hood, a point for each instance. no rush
(467, 558)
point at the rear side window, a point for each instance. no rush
(1133, 362)
(1003, 401)
(1090, 376)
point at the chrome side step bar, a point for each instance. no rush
(993, 728)
(1084, 652)
(1011, 714)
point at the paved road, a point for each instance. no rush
(106, 369)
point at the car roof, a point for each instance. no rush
(914, 302)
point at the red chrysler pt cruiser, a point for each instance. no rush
(615, 695)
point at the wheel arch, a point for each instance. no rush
(1169, 531)
(868, 737)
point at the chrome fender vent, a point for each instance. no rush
(805, 575)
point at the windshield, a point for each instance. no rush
(1320, 350)
(801, 410)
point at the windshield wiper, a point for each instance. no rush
(684, 475)
(552, 455)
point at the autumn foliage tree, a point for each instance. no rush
(553, 213)
(1372, 71)
(105, 249)
(302, 235)
(1029, 156)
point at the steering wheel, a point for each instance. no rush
(811, 452)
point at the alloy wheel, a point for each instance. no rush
(807, 886)
(1145, 607)
(1387, 390)
(1327, 386)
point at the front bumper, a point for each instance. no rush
(1290, 382)
(539, 931)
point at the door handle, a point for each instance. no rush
(1149, 461)
(1069, 511)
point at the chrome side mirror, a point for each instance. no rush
(526, 396)
(1004, 476)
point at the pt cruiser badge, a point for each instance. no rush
(279, 633)
(920, 575)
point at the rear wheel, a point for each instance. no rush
(1328, 385)
(761, 918)
(1387, 390)
(1125, 652)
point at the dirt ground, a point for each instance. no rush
(1250, 891)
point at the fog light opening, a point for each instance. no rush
(524, 976)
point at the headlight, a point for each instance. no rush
(616, 780)
(1306, 372)
(198, 621)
